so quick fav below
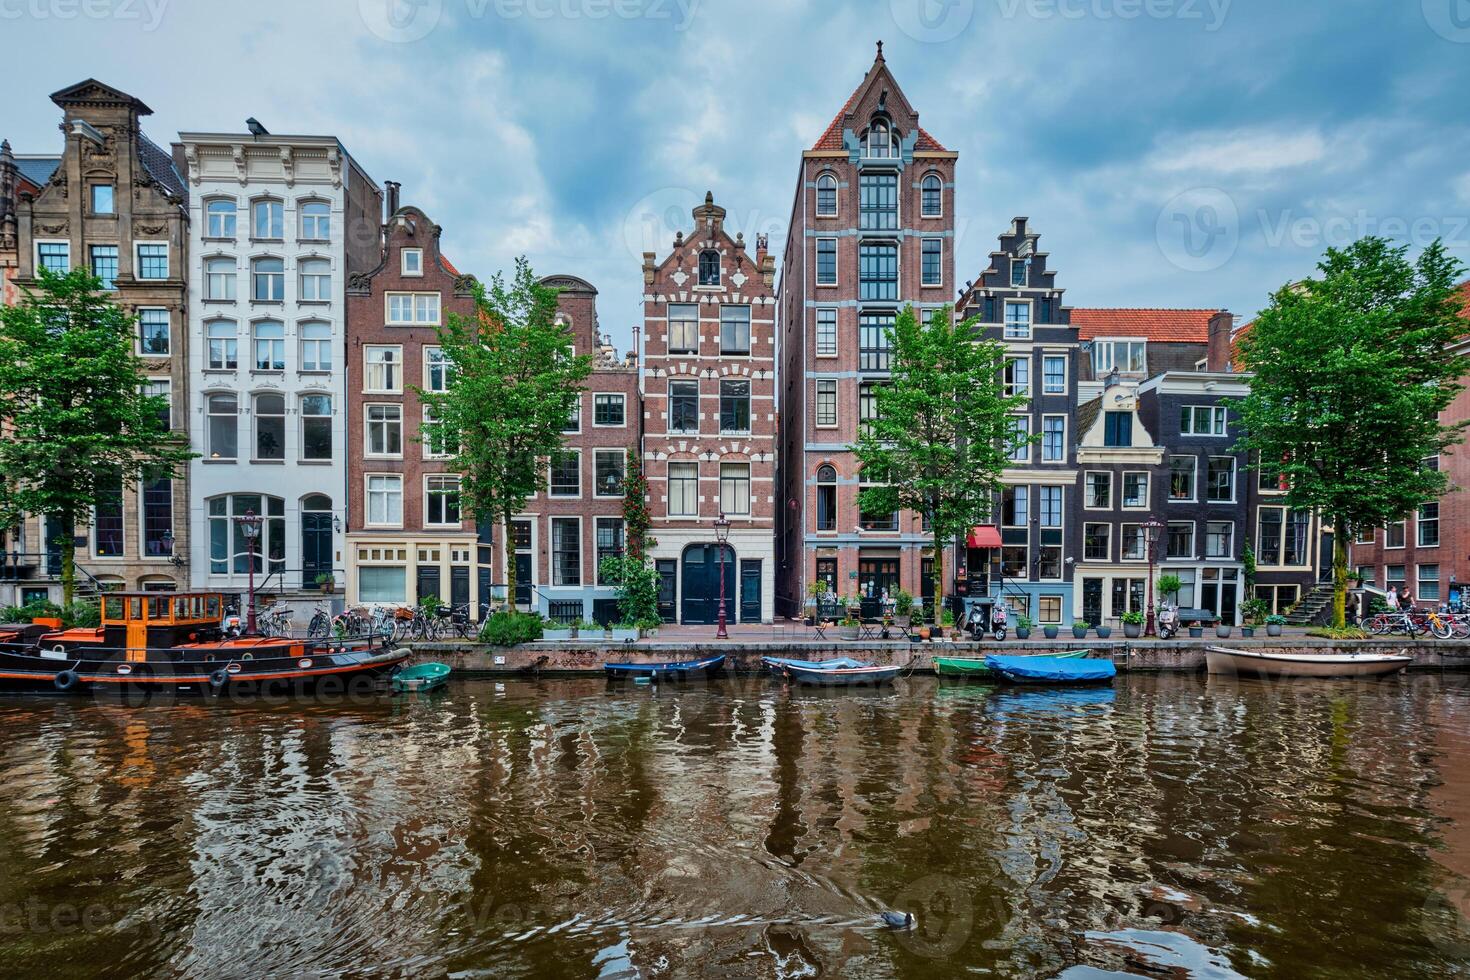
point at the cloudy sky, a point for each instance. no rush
(1170, 152)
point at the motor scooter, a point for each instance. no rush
(999, 620)
(1167, 621)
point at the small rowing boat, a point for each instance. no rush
(844, 676)
(778, 665)
(680, 670)
(1248, 663)
(1051, 670)
(975, 666)
(420, 678)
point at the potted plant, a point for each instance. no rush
(1274, 624)
(1196, 630)
(326, 582)
(946, 621)
(1254, 612)
(1050, 631)
(586, 629)
(625, 631)
(1222, 630)
(1104, 631)
(848, 628)
(1023, 627)
(903, 604)
(814, 592)
(1080, 628)
(1132, 624)
(559, 632)
(1169, 586)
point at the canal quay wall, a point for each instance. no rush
(1131, 656)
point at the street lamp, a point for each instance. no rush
(722, 534)
(1151, 528)
(250, 528)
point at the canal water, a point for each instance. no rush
(1177, 826)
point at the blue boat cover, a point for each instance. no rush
(1052, 669)
(682, 666)
(816, 664)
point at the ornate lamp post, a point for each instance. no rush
(722, 534)
(250, 528)
(1151, 529)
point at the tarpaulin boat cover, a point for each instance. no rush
(1052, 669)
(835, 664)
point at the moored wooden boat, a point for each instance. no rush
(778, 665)
(420, 678)
(844, 676)
(1051, 670)
(975, 666)
(1250, 663)
(680, 670)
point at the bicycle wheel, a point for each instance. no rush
(1439, 628)
(318, 625)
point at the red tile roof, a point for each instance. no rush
(831, 138)
(448, 265)
(1160, 326)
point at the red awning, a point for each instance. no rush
(983, 536)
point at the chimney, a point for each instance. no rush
(390, 188)
(1218, 355)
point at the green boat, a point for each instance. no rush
(966, 667)
(420, 678)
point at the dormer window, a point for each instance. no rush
(827, 196)
(709, 267)
(412, 261)
(880, 139)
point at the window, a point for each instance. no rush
(1097, 542)
(734, 406)
(1393, 535)
(875, 341)
(608, 409)
(1097, 490)
(1014, 506)
(55, 257)
(1054, 374)
(1181, 477)
(1220, 478)
(931, 191)
(270, 345)
(826, 403)
(566, 473)
(438, 442)
(153, 332)
(316, 220)
(683, 328)
(826, 498)
(1133, 542)
(1013, 562)
(411, 261)
(1118, 429)
(826, 261)
(709, 267)
(609, 541)
(267, 280)
(316, 345)
(1428, 527)
(230, 551)
(1049, 562)
(877, 271)
(1049, 506)
(1127, 356)
(1181, 540)
(153, 260)
(734, 329)
(384, 430)
(267, 219)
(219, 279)
(608, 480)
(316, 427)
(158, 516)
(566, 551)
(104, 264)
(874, 520)
(270, 427)
(826, 333)
(385, 500)
(1020, 435)
(878, 202)
(1202, 420)
(1018, 272)
(1049, 608)
(880, 143)
(1053, 438)
(316, 280)
(413, 309)
(161, 388)
(382, 583)
(438, 369)
(222, 410)
(441, 500)
(1428, 583)
(1135, 490)
(101, 198)
(683, 406)
(683, 489)
(735, 488)
(1018, 321)
(383, 372)
(1366, 573)
(868, 407)
(1017, 376)
(1393, 576)
(107, 522)
(574, 417)
(1219, 539)
(221, 219)
(223, 347)
(826, 196)
(930, 268)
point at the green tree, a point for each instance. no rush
(516, 380)
(943, 431)
(73, 408)
(1350, 372)
(636, 520)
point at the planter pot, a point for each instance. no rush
(1196, 632)
(1132, 630)
(560, 636)
(624, 635)
(1079, 632)
(1273, 630)
(923, 632)
(1103, 632)
(937, 632)
(327, 589)
(1223, 632)
(1247, 631)
(1050, 632)
(847, 632)
(1022, 633)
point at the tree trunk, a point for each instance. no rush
(68, 559)
(510, 563)
(1339, 574)
(938, 578)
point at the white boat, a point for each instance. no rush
(1248, 663)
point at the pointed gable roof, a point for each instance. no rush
(831, 138)
(93, 92)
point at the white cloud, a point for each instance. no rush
(1239, 151)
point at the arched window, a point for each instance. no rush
(316, 426)
(709, 267)
(316, 280)
(224, 437)
(267, 219)
(223, 345)
(270, 427)
(826, 196)
(221, 223)
(316, 345)
(270, 345)
(219, 278)
(230, 551)
(880, 139)
(932, 190)
(316, 501)
(316, 220)
(826, 498)
(268, 279)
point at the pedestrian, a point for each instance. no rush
(1406, 601)
(1392, 598)
(1350, 610)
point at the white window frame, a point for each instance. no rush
(669, 483)
(1086, 489)
(817, 422)
(1013, 388)
(551, 551)
(267, 199)
(1011, 282)
(427, 418)
(150, 382)
(922, 242)
(1124, 536)
(1005, 324)
(302, 340)
(36, 253)
(1230, 549)
(232, 279)
(256, 415)
(301, 216)
(403, 266)
(138, 339)
(446, 365)
(208, 216)
(1193, 541)
(597, 490)
(565, 450)
(818, 331)
(1100, 369)
(367, 368)
(413, 320)
(683, 348)
(1218, 413)
(317, 277)
(367, 497)
(1041, 447)
(209, 364)
(168, 259)
(817, 195)
(1234, 480)
(252, 273)
(255, 339)
(1025, 446)
(749, 489)
(1147, 490)
(1107, 558)
(1193, 482)
(609, 425)
(367, 429)
(836, 262)
(1066, 374)
(303, 418)
(922, 212)
(429, 477)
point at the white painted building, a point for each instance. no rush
(277, 225)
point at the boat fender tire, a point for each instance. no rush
(66, 680)
(219, 679)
